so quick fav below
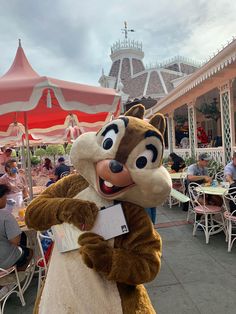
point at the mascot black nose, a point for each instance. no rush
(115, 166)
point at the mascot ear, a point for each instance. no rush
(159, 122)
(136, 111)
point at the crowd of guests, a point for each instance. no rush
(13, 243)
(198, 173)
(14, 189)
(47, 174)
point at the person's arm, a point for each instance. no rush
(192, 177)
(15, 241)
(25, 190)
(229, 178)
(228, 173)
(12, 230)
(57, 177)
(199, 178)
(175, 167)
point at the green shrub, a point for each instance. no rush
(190, 160)
(68, 148)
(35, 160)
(40, 152)
(214, 167)
(55, 150)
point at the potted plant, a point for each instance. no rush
(210, 110)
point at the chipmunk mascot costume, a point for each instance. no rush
(121, 163)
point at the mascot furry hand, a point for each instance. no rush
(120, 163)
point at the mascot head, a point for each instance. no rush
(123, 160)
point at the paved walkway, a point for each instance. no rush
(195, 277)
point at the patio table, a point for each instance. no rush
(177, 175)
(214, 190)
(179, 196)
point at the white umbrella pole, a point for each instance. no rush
(23, 163)
(28, 155)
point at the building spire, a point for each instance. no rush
(19, 42)
(126, 30)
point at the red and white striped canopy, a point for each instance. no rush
(54, 108)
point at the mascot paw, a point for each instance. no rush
(82, 217)
(96, 252)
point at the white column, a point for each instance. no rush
(171, 133)
(226, 120)
(192, 128)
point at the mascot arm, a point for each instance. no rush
(135, 259)
(56, 205)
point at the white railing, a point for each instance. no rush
(215, 152)
(127, 43)
(182, 152)
(176, 59)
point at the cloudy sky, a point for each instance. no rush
(71, 39)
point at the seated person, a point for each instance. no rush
(184, 143)
(230, 176)
(230, 170)
(176, 163)
(201, 135)
(198, 172)
(18, 188)
(12, 252)
(61, 168)
(232, 205)
(47, 167)
(51, 180)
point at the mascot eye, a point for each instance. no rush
(109, 139)
(107, 144)
(144, 158)
(141, 162)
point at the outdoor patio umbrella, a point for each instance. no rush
(40, 105)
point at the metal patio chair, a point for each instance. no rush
(230, 216)
(208, 217)
(10, 285)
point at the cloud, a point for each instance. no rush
(71, 40)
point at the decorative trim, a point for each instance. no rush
(222, 60)
(66, 105)
(225, 87)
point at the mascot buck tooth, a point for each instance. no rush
(120, 163)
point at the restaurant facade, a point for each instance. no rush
(201, 110)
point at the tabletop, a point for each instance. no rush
(177, 175)
(179, 196)
(214, 190)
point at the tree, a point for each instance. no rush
(210, 111)
(180, 119)
(35, 160)
(68, 149)
(55, 150)
(40, 152)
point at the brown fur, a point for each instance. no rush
(159, 122)
(56, 205)
(136, 111)
(134, 133)
(135, 258)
